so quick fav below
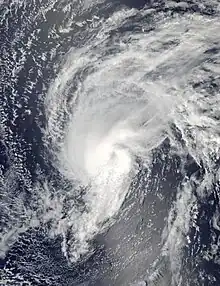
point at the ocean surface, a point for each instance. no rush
(109, 143)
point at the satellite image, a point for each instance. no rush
(109, 143)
